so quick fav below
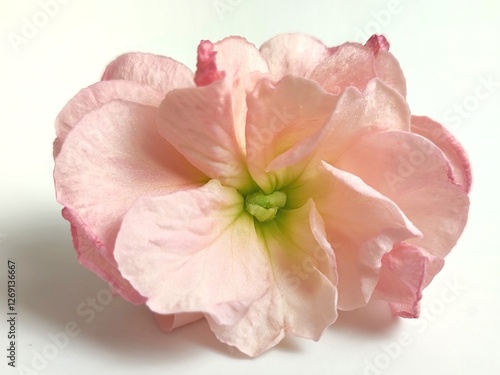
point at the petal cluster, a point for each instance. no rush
(265, 192)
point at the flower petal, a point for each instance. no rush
(303, 297)
(389, 71)
(280, 115)
(350, 64)
(170, 322)
(199, 123)
(96, 95)
(294, 54)
(414, 173)
(304, 270)
(111, 157)
(194, 251)
(99, 261)
(158, 72)
(362, 225)
(406, 271)
(377, 109)
(239, 58)
(443, 139)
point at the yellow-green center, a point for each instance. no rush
(265, 207)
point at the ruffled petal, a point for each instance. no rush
(111, 157)
(406, 271)
(199, 123)
(99, 261)
(242, 65)
(158, 72)
(414, 173)
(194, 251)
(293, 54)
(259, 330)
(303, 298)
(95, 96)
(377, 109)
(442, 138)
(280, 115)
(362, 225)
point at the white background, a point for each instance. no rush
(448, 50)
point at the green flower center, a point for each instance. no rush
(264, 207)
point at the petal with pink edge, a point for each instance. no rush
(198, 122)
(279, 116)
(414, 173)
(302, 300)
(293, 54)
(111, 157)
(442, 138)
(194, 251)
(102, 263)
(158, 72)
(387, 68)
(361, 224)
(406, 271)
(96, 95)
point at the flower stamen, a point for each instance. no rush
(265, 207)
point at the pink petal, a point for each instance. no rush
(443, 139)
(99, 261)
(294, 54)
(206, 68)
(303, 298)
(194, 251)
(362, 225)
(199, 123)
(111, 157)
(350, 64)
(259, 330)
(158, 72)
(239, 59)
(411, 171)
(377, 109)
(389, 71)
(170, 322)
(96, 95)
(406, 270)
(280, 115)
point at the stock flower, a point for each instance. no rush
(264, 193)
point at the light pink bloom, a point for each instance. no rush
(264, 193)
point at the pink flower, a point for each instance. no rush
(266, 192)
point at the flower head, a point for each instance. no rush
(266, 192)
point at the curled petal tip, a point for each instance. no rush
(206, 66)
(377, 43)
